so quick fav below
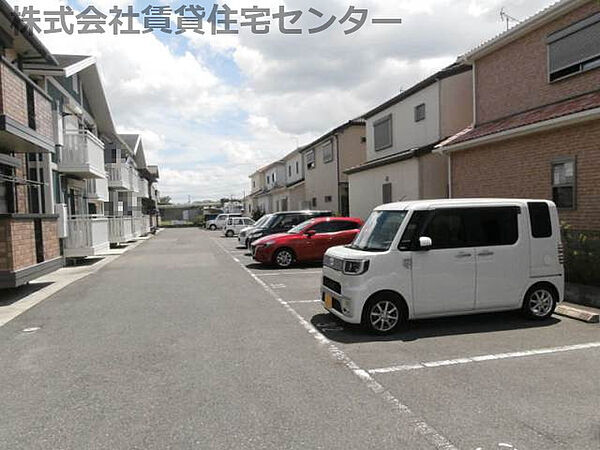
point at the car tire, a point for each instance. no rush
(229, 234)
(284, 258)
(384, 314)
(212, 227)
(540, 302)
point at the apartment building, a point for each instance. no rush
(325, 162)
(536, 131)
(401, 135)
(29, 243)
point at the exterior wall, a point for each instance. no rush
(521, 167)
(22, 203)
(515, 77)
(353, 149)
(14, 95)
(279, 171)
(43, 115)
(366, 187)
(297, 197)
(456, 103)
(51, 241)
(290, 163)
(321, 181)
(433, 179)
(264, 204)
(406, 132)
(257, 181)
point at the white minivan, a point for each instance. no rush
(220, 221)
(435, 258)
(235, 225)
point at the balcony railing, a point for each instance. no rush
(82, 155)
(88, 236)
(119, 176)
(25, 112)
(97, 189)
(120, 229)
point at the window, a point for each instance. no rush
(447, 229)
(489, 227)
(344, 225)
(563, 183)
(328, 152)
(539, 218)
(328, 199)
(310, 159)
(290, 170)
(379, 231)
(386, 193)
(411, 233)
(323, 227)
(297, 168)
(420, 112)
(574, 49)
(382, 130)
(314, 202)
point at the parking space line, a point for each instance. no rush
(292, 302)
(417, 423)
(482, 358)
(284, 272)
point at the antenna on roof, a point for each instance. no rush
(504, 16)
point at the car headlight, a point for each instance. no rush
(355, 267)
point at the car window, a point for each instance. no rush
(539, 217)
(300, 227)
(493, 226)
(412, 230)
(344, 225)
(291, 220)
(322, 227)
(447, 229)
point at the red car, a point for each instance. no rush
(306, 242)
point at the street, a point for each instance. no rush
(185, 342)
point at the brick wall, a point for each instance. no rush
(22, 244)
(515, 77)
(13, 95)
(43, 115)
(51, 241)
(521, 167)
(22, 203)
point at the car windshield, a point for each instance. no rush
(379, 231)
(300, 227)
(260, 222)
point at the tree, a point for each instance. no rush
(164, 200)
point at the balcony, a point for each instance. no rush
(97, 189)
(144, 188)
(119, 176)
(87, 236)
(82, 155)
(25, 113)
(120, 229)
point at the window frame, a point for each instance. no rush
(563, 160)
(387, 118)
(420, 107)
(328, 144)
(311, 162)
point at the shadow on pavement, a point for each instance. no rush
(339, 331)
(271, 267)
(10, 296)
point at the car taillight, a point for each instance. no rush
(561, 253)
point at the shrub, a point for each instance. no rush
(582, 256)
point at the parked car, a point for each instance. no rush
(436, 258)
(220, 221)
(245, 232)
(282, 222)
(235, 224)
(307, 241)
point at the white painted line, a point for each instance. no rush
(303, 301)
(482, 358)
(278, 274)
(417, 423)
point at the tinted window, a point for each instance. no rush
(411, 233)
(322, 227)
(493, 226)
(447, 229)
(539, 217)
(344, 225)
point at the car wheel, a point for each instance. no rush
(540, 302)
(229, 233)
(383, 315)
(284, 258)
(212, 227)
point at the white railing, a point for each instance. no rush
(97, 189)
(82, 153)
(119, 176)
(144, 191)
(145, 225)
(121, 229)
(86, 235)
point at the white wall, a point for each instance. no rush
(366, 188)
(279, 171)
(291, 162)
(406, 132)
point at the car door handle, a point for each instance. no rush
(486, 253)
(463, 255)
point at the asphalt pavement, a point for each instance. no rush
(184, 342)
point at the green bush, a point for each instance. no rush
(199, 221)
(582, 256)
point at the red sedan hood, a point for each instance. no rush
(278, 236)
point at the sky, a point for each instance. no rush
(213, 109)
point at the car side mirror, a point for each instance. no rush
(310, 233)
(425, 243)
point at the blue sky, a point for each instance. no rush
(212, 109)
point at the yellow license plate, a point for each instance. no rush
(328, 301)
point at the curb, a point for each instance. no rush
(587, 315)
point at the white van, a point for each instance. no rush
(220, 221)
(437, 258)
(235, 225)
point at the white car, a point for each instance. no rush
(438, 258)
(220, 221)
(235, 225)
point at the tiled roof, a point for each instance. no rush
(548, 112)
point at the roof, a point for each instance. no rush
(24, 40)
(541, 114)
(456, 202)
(390, 159)
(354, 122)
(66, 65)
(453, 69)
(539, 19)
